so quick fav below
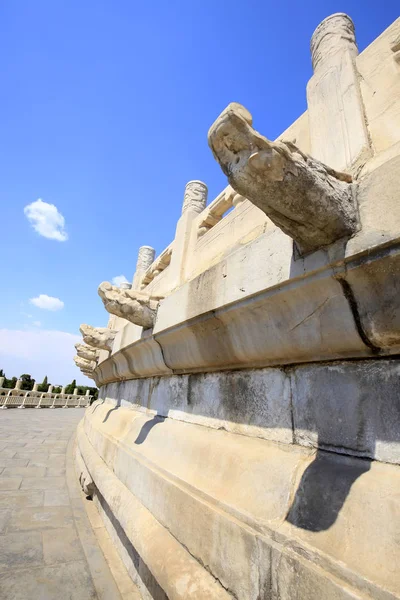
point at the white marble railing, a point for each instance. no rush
(29, 399)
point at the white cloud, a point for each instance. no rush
(41, 352)
(47, 302)
(46, 220)
(37, 323)
(119, 279)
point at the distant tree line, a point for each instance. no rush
(28, 383)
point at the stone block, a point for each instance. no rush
(349, 407)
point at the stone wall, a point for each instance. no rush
(246, 440)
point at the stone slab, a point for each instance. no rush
(61, 545)
(48, 517)
(70, 581)
(42, 483)
(56, 498)
(24, 472)
(20, 550)
(10, 483)
(20, 499)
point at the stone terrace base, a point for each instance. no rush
(267, 483)
(48, 550)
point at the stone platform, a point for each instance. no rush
(52, 545)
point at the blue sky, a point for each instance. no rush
(104, 109)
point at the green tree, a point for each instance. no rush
(2, 374)
(57, 389)
(10, 383)
(44, 386)
(27, 381)
(69, 389)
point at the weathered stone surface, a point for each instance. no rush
(86, 352)
(98, 337)
(195, 197)
(332, 35)
(338, 123)
(214, 490)
(137, 307)
(309, 201)
(350, 407)
(248, 444)
(84, 365)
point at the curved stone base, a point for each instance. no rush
(214, 514)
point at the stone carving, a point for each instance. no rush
(309, 201)
(82, 363)
(334, 33)
(145, 258)
(195, 197)
(136, 307)
(86, 352)
(98, 337)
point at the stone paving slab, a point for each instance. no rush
(43, 553)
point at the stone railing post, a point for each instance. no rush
(54, 401)
(35, 387)
(338, 131)
(50, 390)
(145, 259)
(1, 381)
(63, 390)
(18, 384)
(24, 400)
(75, 392)
(4, 407)
(40, 400)
(194, 202)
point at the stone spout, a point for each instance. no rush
(137, 307)
(82, 363)
(309, 201)
(86, 352)
(98, 337)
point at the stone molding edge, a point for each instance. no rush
(148, 536)
(154, 355)
(103, 580)
(274, 537)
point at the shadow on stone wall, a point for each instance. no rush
(147, 427)
(323, 489)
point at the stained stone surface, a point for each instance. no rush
(42, 554)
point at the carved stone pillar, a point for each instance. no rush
(145, 258)
(1, 381)
(338, 131)
(35, 387)
(63, 390)
(49, 391)
(194, 202)
(18, 384)
(75, 391)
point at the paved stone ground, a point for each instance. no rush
(43, 553)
